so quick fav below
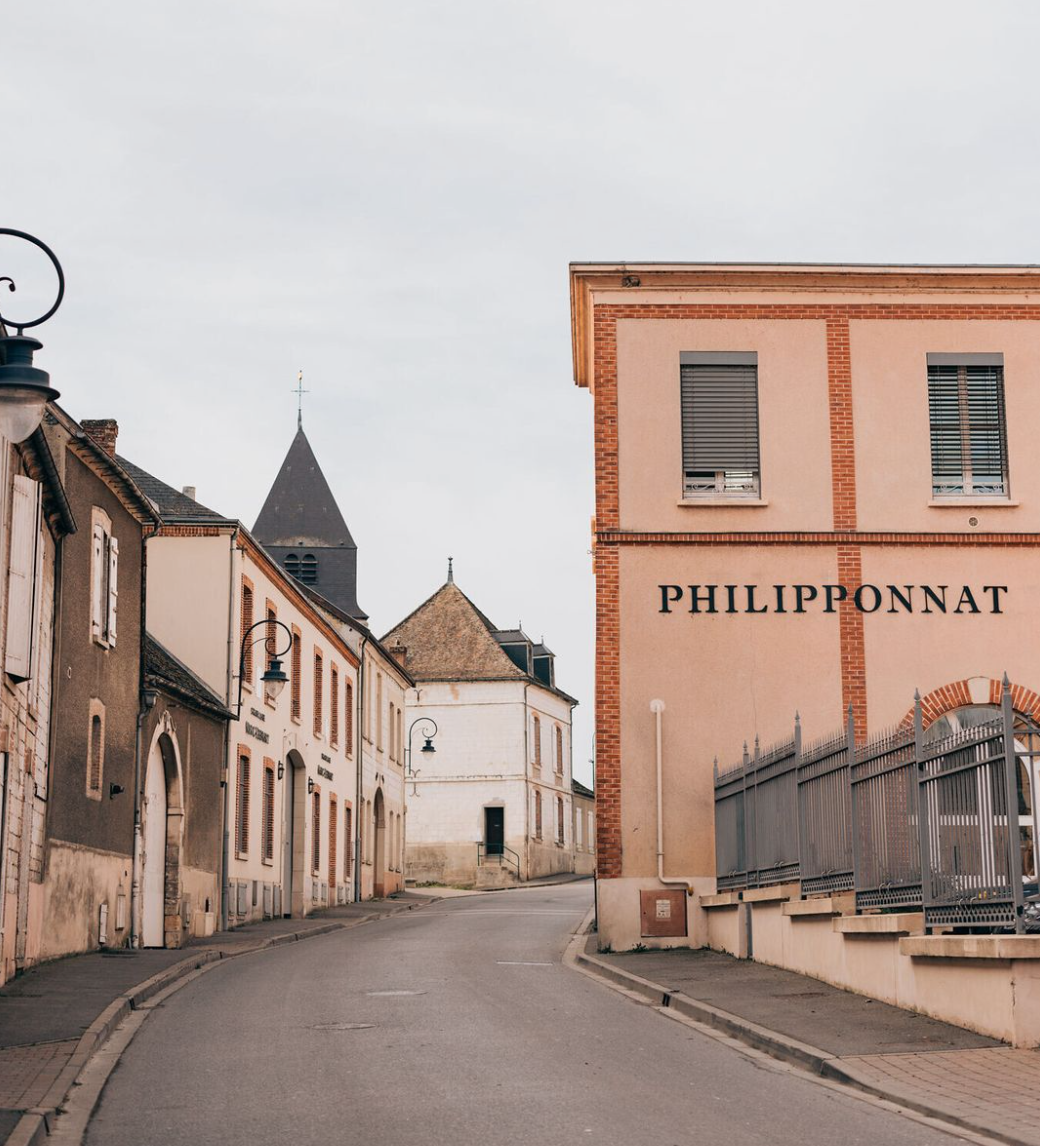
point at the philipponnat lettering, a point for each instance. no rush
(697, 600)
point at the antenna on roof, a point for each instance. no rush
(299, 392)
(451, 575)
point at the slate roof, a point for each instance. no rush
(300, 507)
(173, 506)
(163, 670)
(449, 638)
(579, 789)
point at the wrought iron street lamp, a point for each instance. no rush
(428, 723)
(25, 389)
(274, 678)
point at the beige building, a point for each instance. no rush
(816, 491)
(493, 803)
(583, 827)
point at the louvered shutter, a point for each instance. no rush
(21, 577)
(113, 587)
(968, 428)
(98, 578)
(719, 396)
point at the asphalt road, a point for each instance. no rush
(457, 1024)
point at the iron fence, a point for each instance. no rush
(837, 817)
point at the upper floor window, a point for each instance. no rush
(334, 706)
(319, 691)
(246, 624)
(559, 749)
(719, 398)
(297, 668)
(536, 735)
(968, 425)
(104, 580)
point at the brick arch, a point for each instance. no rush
(957, 694)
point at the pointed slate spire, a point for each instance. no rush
(451, 575)
(300, 519)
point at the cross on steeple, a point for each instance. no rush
(299, 392)
(451, 575)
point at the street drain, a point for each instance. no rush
(342, 1027)
(384, 994)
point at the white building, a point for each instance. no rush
(493, 801)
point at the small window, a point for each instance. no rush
(96, 749)
(968, 425)
(297, 668)
(267, 827)
(242, 816)
(559, 749)
(559, 821)
(719, 399)
(537, 815)
(536, 734)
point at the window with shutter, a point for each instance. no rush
(333, 826)
(104, 579)
(319, 691)
(22, 578)
(297, 668)
(245, 624)
(334, 706)
(113, 589)
(719, 400)
(968, 425)
(348, 867)
(536, 734)
(537, 815)
(348, 736)
(267, 827)
(242, 817)
(316, 831)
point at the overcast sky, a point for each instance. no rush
(387, 196)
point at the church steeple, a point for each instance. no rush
(302, 528)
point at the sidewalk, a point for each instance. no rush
(943, 1071)
(56, 1015)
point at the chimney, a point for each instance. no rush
(103, 431)
(189, 491)
(400, 654)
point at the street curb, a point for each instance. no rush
(779, 1046)
(33, 1128)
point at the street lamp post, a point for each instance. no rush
(428, 722)
(25, 389)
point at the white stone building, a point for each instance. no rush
(493, 802)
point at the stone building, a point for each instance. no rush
(583, 827)
(35, 517)
(493, 803)
(816, 492)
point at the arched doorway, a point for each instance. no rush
(294, 809)
(379, 858)
(162, 815)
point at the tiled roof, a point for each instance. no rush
(164, 670)
(449, 638)
(172, 505)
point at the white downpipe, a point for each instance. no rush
(657, 708)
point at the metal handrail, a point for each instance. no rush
(506, 855)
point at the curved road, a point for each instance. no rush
(456, 1024)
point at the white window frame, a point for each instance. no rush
(104, 579)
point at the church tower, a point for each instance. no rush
(302, 528)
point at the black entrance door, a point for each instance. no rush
(494, 830)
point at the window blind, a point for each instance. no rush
(968, 429)
(720, 427)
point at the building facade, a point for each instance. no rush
(583, 828)
(493, 802)
(34, 518)
(815, 493)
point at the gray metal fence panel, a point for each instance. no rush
(730, 859)
(772, 795)
(886, 833)
(825, 816)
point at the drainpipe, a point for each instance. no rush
(359, 747)
(527, 788)
(225, 885)
(143, 708)
(657, 708)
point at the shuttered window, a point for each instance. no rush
(316, 831)
(297, 668)
(348, 867)
(246, 623)
(349, 714)
(242, 817)
(319, 691)
(333, 827)
(22, 577)
(968, 426)
(268, 811)
(719, 395)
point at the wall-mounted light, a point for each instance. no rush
(281, 769)
(274, 678)
(115, 790)
(310, 785)
(25, 389)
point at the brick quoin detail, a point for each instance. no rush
(608, 715)
(850, 635)
(957, 694)
(839, 397)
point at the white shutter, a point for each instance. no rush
(21, 576)
(113, 587)
(97, 582)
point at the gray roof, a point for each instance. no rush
(300, 509)
(541, 650)
(172, 505)
(163, 670)
(579, 789)
(511, 637)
